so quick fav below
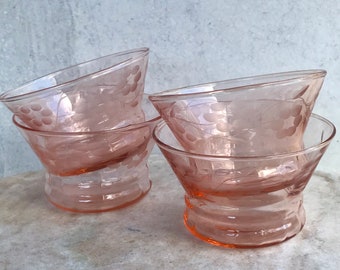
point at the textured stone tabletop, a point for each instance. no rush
(151, 234)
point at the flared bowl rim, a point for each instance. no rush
(205, 89)
(7, 97)
(324, 142)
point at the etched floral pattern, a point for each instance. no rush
(244, 201)
(254, 116)
(101, 94)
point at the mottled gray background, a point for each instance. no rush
(190, 41)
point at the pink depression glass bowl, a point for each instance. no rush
(94, 171)
(244, 201)
(99, 94)
(249, 116)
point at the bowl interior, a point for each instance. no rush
(255, 127)
(319, 131)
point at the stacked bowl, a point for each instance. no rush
(91, 127)
(244, 150)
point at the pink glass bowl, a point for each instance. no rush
(98, 170)
(246, 201)
(251, 116)
(99, 94)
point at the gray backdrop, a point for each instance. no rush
(190, 41)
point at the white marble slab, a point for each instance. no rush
(151, 234)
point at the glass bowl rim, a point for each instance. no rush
(297, 75)
(196, 155)
(142, 51)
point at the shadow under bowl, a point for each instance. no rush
(246, 201)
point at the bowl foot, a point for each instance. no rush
(244, 224)
(103, 190)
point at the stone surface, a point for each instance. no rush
(151, 234)
(191, 42)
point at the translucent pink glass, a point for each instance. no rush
(249, 116)
(246, 201)
(93, 171)
(100, 94)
